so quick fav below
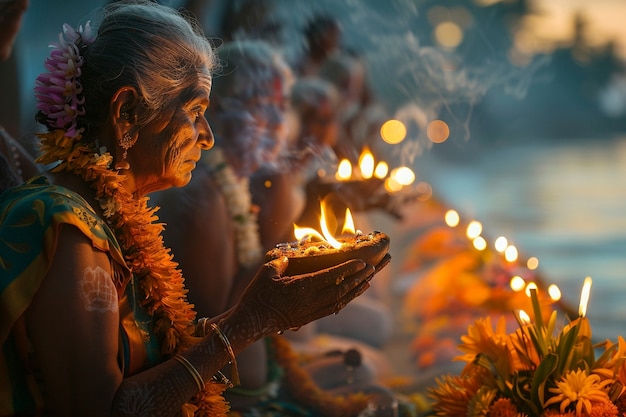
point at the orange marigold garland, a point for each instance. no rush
(132, 220)
(302, 387)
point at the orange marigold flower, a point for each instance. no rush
(503, 407)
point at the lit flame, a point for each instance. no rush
(584, 297)
(348, 224)
(366, 163)
(524, 318)
(344, 170)
(381, 170)
(305, 232)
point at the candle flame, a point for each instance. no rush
(344, 170)
(366, 163)
(584, 297)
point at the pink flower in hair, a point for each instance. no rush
(58, 91)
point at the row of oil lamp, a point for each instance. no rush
(510, 253)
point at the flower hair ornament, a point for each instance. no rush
(160, 283)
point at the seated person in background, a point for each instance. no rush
(368, 324)
(216, 211)
(94, 314)
(16, 163)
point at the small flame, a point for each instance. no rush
(524, 318)
(327, 236)
(344, 170)
(584, 297)
(366, 163)
(302, 233)
(381, 170)
(348, 223)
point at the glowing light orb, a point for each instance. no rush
(438, 131)
(554, 292)
(501, 243)
(510, 253)
(532, 263)
(391, 185)
(474, 229)
(393, 131)
(531, 286)
(480, 243)
(452, 218)
(448, 34)
(403, 175)
(517, 283)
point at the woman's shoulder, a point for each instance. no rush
(38, 208)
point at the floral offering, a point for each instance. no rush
(535, 371)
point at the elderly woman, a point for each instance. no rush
(94, 319)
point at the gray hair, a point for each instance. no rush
(310, 93)
(151, 47)
(248, 67)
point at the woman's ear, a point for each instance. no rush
(124, 110)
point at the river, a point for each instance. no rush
(561, 201)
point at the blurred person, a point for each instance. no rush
(322, 36)
(16, 162)
(95, 318)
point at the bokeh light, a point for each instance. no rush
(501, 243)
(438, 131)
(393, 131)
(531, 286)
(448, 34)
(452, 218)
(510, 253)
(480, 243)
(403, 175)
(517, 283)
(532, 263)
(554, 292)
(474, 229)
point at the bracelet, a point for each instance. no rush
(202, 322)
(192, 370)
(233, 361)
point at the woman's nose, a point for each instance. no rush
(206, 138)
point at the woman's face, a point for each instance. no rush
(168, 148)
(11, 13)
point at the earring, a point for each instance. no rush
(126, 143)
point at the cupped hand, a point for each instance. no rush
(286, 302)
